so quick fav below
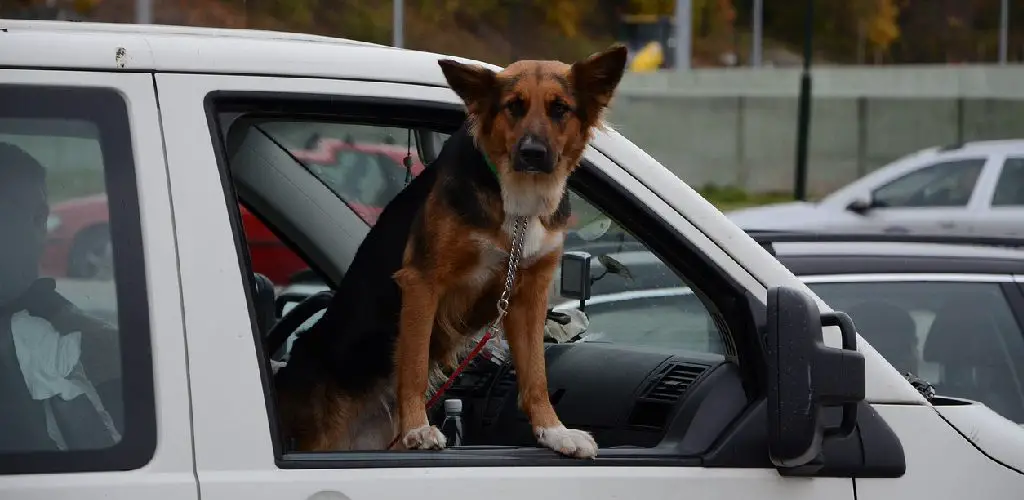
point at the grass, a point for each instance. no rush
(731, 198)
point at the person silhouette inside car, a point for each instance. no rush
(51, 353)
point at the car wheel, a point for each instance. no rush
(92, 255)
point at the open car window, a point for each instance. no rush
(624, 386)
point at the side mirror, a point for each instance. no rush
(861, 206)
(805, 375)
(575, 276)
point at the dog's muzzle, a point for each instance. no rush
(533, 156)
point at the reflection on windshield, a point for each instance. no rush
(671, 319)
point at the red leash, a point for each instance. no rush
(451, 379)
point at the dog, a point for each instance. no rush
(430, 272)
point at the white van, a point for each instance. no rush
(172, 127)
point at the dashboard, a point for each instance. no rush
(626, 396)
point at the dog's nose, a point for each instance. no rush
(533, 155)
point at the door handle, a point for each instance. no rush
(947, 224)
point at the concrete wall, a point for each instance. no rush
(738, 126)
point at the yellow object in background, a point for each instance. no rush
(648, 58)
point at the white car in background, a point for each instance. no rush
(976, 188)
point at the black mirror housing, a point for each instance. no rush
(575, 275)
(860, 206)
(805, 375)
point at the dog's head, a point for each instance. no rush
(534, 118)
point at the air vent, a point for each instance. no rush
(672, 381)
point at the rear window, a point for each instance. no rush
(76, 384)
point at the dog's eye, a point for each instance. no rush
(517, 107)
(558, 109)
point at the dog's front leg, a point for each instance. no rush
(524, 328)
(412, 354)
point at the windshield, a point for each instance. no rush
(961, 337)
(674, 320)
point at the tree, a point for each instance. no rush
(879, 21)
(567, 14)
(710, 17)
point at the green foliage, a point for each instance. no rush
(731, 197)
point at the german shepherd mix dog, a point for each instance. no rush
(430, 272)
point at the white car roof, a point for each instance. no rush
(130, 47)
(988, 147)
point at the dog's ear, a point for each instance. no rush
(595, 78)
(474, 84)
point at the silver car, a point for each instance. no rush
(947, 310)
(975, 188)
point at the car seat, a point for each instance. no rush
(966, 341)
(890, 330)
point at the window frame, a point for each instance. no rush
(935, 164)
(724, 297)
(108, 110)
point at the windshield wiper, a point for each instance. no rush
(921, 385)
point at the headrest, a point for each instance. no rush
(890, 330)
(962, 331)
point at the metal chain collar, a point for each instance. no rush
(519, 225)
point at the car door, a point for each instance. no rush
(94, 393)
(238, 454)
(1003, 211)
(938, 197)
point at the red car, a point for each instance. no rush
(78, 245)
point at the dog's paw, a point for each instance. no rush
(427, 437)
(568, 442)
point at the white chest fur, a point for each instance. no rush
(537, 242)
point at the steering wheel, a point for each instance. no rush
(304, 310)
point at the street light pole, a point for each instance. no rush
(1004, 29)
(398, 23)
(757, 20)
(804, 109)
(144, 11)
(684, 9)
